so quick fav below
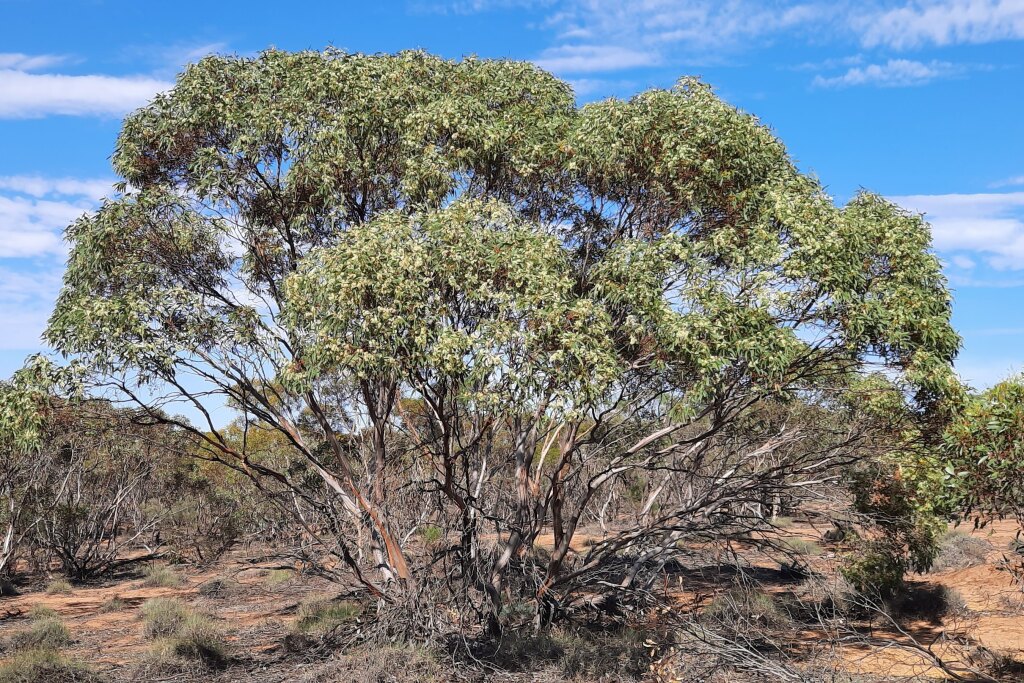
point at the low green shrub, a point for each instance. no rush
(181, 637)
(58, 587)
(46, 632)
(160, 576)
(45, 666)
(163, 616)
(317, 617)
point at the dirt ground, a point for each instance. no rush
(257, 610)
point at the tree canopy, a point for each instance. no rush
(320, 238)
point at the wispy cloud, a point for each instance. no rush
(894, 73)
(574, 59)
(24, 94)
(982, 374)
(23, 62)
(473, 6)
(584, 87)
(989, 225)
(601, 36)
(1015, 181)
(941, 22)
(34, 210)
(40, 186)
(963, 262)
(25, 302)
(32, 227)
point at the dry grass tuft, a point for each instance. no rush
(44, 666)
(161, 576)
(58, 587)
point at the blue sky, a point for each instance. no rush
(918, 100)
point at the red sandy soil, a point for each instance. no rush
(256, 616)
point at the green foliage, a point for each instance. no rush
(728, 212)
(876, 569)
(905, 532)
(432, 534)
(43, 612)
(58, 587)
(984, 471)
(321, 240)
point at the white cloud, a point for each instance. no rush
(25, 303)
(591, 58)
(982, 374)
(690, 23)
(24, 95)
(585, 87)
(989, 224)
(894, 73)
(942, 22)
(474, 6)
(32, 227)
(23, 62)
(608, 35)
(39, 186)
(961, 261)
(1015, 181)
(831, 63)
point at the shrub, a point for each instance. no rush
(218, 588)
(42, 612)
(58, 587)
(875, 570)
(431, 534)
(46, 632)
(958, 550)
(927, 601)
(389, 664)
(320, 616)
(180, 635)
(44, 666)
(278, 577)
(783, 522)
(802, 546)
(114, 604)
(824, 597)
(744, 608)
(196, 640)
(161, 576)
(164, 616)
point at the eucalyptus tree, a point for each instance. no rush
(984, 454)
(458, 299)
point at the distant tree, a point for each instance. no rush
(458, 299)
(77, 477)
